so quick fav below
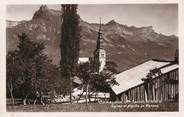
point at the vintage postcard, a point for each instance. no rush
(76, 57)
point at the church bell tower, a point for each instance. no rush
(99, 53)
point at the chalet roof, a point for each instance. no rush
(169, 68)
(132, 77)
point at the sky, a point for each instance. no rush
(163, 17)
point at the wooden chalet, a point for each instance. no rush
(152, 81)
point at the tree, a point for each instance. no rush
(29, 54)
(85, 74)
(94, 81)
(12, 73)
(29, 70)
(70, 36)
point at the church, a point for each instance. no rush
(99, 54)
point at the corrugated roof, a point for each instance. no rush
(133, 76)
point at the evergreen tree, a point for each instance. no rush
(29, 70)
(70, 36)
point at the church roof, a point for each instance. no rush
(132, 77)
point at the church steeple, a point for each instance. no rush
(100, 38)
(99, 53)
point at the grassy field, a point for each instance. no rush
(92, 107)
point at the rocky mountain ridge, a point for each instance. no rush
(126, 45)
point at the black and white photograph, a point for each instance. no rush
(92, 58)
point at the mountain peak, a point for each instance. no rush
(112, 22)
(45, 13)
(43, 8)
(42, 12)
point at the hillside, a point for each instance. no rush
(126, 45)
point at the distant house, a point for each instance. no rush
(134, 86)
(83, 60)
